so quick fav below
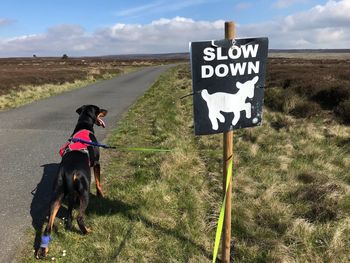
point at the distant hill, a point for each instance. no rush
(186, 55)
(171, 56)
(309, 50)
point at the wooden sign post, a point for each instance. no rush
(228, 155)
(228, 77)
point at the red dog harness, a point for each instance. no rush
(76, 146)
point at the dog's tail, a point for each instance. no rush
(74, 182)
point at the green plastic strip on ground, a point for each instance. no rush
(222, 213)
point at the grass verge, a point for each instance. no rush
(291, 200)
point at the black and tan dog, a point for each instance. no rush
(74, 174)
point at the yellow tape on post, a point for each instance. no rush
(222, 213)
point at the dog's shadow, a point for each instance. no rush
(40, 205)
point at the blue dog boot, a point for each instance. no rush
(45, 240)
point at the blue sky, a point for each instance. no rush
(114, 27)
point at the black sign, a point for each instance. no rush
(228, 83)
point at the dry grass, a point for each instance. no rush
(16, 73)
(32, 93)
(310, 55)
(28, 93)
(23, 80)
(309, 87)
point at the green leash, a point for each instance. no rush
(119, 148)
(141, 149)
(222, 214)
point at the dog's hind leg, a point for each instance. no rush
(84, 201)
(46, 238)
(97, 174)
(71, 201)
(236, 117)
(221, 117)
(53, 212)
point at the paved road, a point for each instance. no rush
(30, 139)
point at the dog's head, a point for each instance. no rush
(248, 86)
(94, 113)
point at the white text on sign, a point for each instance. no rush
(235, 52)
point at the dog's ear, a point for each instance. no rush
(79, 110)
(255, 79)
(103, 113)
(239, 85)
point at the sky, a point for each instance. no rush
(111, 27)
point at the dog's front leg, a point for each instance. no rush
(248, 110)
(236, 117)
(213, 120)
(97, 174)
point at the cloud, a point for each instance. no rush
(55, 41)
(332, 14)
(163, 35)
(139, 9)
(160, 36)
(243, 6)
(6, 21)
(160, 6)
(288, 3)
(323, 26)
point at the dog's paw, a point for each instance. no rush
(69, 224)
(85, 230)
(100, 194)
(41, 253)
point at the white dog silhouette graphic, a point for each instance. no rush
(227, 102)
